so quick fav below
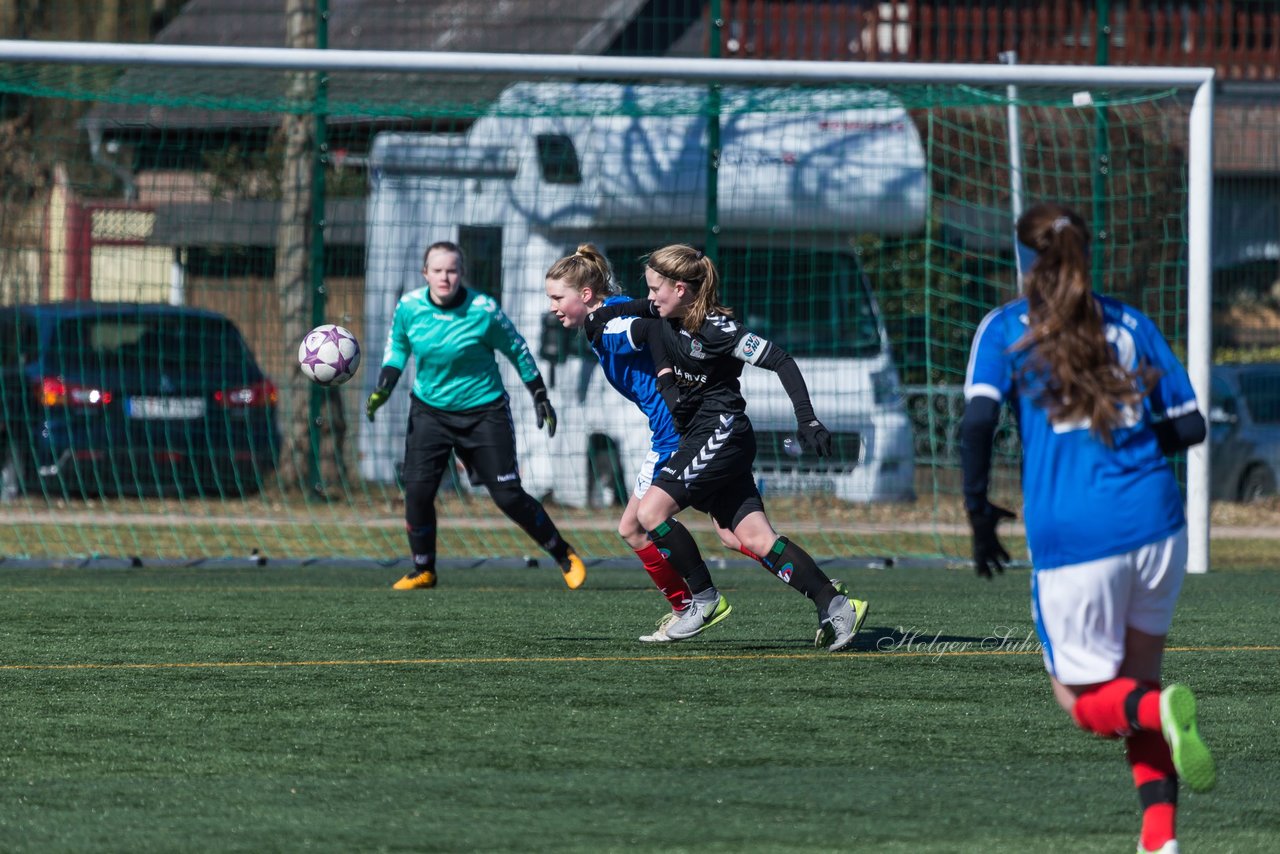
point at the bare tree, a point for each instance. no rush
(293, 279)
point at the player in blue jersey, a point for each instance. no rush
(699, 351)
(1100, 399)
(577, 285)
(458, 403)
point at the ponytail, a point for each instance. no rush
(585, 268)
(1075, 368)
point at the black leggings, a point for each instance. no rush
(484, 440)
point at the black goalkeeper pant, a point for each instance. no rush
(484, 440)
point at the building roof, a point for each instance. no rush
(512, 26)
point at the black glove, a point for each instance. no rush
(987, 551)
(379, 397)
(542, 405)
(546, 413)
(671, 397)
(814, 437)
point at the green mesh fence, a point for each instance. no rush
(168, 236)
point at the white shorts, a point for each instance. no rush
(1082, 611)
(652, 464)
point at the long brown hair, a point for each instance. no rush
(682, 263)
(1077, 369)
(586, 268)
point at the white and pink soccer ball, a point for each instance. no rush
(329, 355)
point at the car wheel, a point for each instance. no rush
(1258, 482)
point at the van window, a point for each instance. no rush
(481, 245)
(1261, 391)
(558, 159)
(812, 303)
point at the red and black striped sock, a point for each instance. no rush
(1157, 784)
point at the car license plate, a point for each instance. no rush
(166, 408)
(789, 483)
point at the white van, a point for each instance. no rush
(527, 184)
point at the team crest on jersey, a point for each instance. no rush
(785, 572)
(695, 350)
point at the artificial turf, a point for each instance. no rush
(314, 708)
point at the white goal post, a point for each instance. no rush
(1199, 81)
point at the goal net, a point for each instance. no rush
(213, 215)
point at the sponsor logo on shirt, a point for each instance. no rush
(687, 378)
(749, 347)
(508, 477)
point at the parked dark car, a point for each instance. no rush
(1244, 431)
(131, 399)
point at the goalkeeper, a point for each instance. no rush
(458, 404)
(1101, 399)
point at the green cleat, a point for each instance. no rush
(826, 635)
(1191, 758)
(697, 617)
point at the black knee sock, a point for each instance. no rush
(523, 509)
(793, 565)
(420, 524)
(675, 539)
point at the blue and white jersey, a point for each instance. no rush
(1083, 500)
(629, 368)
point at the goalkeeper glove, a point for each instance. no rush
(542, 405)
(379, 397)
(546, 413)
(815, 437)
(988, 554)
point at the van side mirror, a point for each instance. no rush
(1222, 415)
(556, 341)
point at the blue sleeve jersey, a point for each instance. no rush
(629, 368)
(1082, 500)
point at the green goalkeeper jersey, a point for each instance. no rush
(453, 349)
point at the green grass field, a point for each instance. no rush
(283, 709)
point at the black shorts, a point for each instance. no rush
(711, 471)
(484, 439)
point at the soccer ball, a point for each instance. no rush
(329, 355)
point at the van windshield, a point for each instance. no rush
(811, 303)
(1261, 389)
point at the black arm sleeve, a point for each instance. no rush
(780, 361)
(649, 333)
(1178, 434)
(670, 393)
(388, 377)
(977, 431)
(597, 319)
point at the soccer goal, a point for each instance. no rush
(221, 202)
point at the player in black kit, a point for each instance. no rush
(699, 350)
